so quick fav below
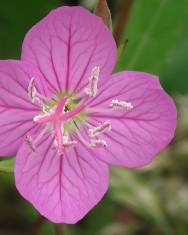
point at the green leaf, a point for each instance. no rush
(47, 229)
(174, 72)
(7, 165)
(121, 49)
(153, 31)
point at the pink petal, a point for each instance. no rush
(66, 45)
(16, 110)
(137, 135)
(61, 188)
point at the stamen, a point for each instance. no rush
(31, 88)
(106, 126)
(116, 104)
(65, 143)
(33, 95)
(92, 89)
(97, 143)
(68, 143)
(29, 140)
(43, 118)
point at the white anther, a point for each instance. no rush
(32, 92)
(72, 143)
(29, 140)
(37, 118)
(92, 89)
(116, 104)
(46, 113)
(97, 143)
(68, 143)
(40, 116)
(33, 95)
(31, 89)
(106, 126)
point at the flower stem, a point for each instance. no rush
(59, 229)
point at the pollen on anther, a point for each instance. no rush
(31, 89)
(40, 117)
(32, 92)
(69, 143)
(106, 126)
(97, 143)
(116, 104)
(92, 88)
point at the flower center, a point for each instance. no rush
(60, 118)
(63, 115)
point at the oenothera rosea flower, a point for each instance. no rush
(66, 117)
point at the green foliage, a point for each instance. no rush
(7, 165)
(155, 32)
(47, 229)
(16, 17)
(174, 72)
(128, 188)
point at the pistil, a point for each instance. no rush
(57, 117)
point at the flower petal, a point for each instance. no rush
(16, 110)
(62, 188)
(66, 45)
(139, 134)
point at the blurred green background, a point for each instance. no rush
(148, 201)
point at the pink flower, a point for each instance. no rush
(67, 118)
